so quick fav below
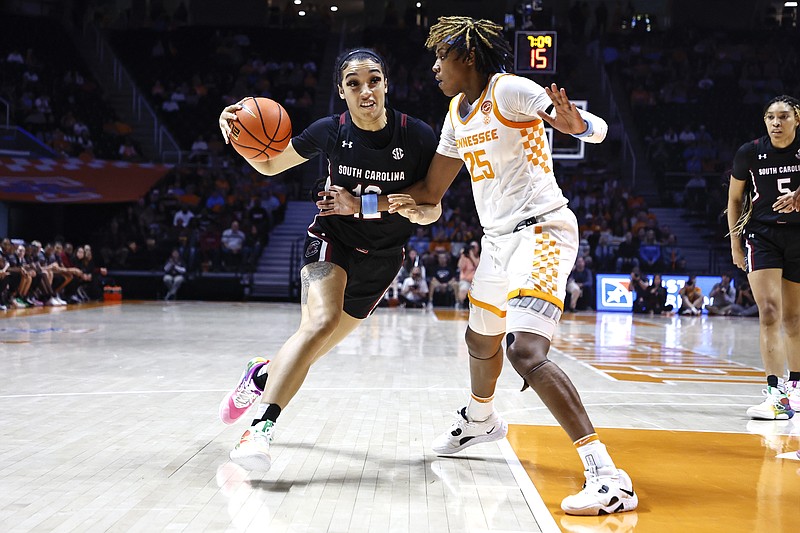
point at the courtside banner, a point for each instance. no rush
(73, 181)
(614, 294)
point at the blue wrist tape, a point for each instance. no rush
(589, 130)
(369, 204)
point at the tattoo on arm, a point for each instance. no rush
(312, 272)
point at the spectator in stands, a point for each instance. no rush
(604, 253)
(722, 297)
(467, 264)
(627, 255)
(443, 283)
(638, 286)
(672, 255)
(252, 247)
(232, 246)
(4, 284)
(579, 286)
(174, 274)
(183, 217)
(691, 298)
(199, 151)
(414, 290)
(656, 297)
(216, 201)
(420, 241)
(650, 259)
(127, 151)
(745, 304)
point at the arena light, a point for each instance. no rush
(301, 13)
(790, 4)
(298, 2)
(419, 4)
(334, 9)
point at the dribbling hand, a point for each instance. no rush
(337, 201)
(228, 114)
(567, 120)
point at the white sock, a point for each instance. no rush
(261, 409)
(594, 456)
(479, 409)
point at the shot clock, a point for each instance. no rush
(535, 52)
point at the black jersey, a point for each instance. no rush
(365, 162)
(770, 172)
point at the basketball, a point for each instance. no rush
(262, 131)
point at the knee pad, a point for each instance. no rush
(524, 366)
(485, 322)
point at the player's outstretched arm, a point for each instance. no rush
(428, 193)
(418, 214)
(571, 120)
(285, 160)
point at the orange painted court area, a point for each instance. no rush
(687, 481)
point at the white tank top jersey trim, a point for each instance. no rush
(503, 143)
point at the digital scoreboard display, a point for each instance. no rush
(535, 52)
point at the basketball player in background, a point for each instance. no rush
(765, 243)
(348, 261)
(496, 126)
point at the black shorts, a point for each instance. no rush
(773, 246)
(369, 273)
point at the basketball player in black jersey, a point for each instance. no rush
(349, 261)
(765, 243)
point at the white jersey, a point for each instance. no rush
(504, 145)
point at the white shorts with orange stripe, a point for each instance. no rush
(531, 265)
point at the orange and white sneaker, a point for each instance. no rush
(252, 450)
(608, 492)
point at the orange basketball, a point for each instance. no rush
(262, 131)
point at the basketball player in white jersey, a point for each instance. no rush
(495, 125)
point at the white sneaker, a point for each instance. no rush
(464, 433)
(252, 451)
(610, 491)
(793, 393)
(774, 407)
(60, 301)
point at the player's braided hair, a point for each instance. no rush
(747, 206)
(793, 102)
(484, 37)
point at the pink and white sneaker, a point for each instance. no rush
(238, 401)
(793, 393)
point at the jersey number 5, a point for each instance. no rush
(484, 170)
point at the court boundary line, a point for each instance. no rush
(544, 518)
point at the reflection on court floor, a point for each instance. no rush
(110, 424)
